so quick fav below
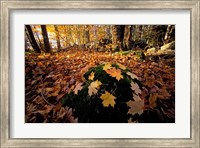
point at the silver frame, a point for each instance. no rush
(193, 6)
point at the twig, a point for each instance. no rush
(45, 99)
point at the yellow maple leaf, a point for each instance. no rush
(116, 73)
(133, 76)
(107, 66)
(136, 106)
(121, 66)
(93, 88)
(91, 76)
(77, 88)
(108, 99)
(135, 88)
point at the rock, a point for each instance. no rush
(109, 94)
(170, 45)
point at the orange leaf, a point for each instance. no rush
(116, 73)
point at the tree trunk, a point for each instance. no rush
(140, 32)
(167, 34)
(46, 39)
(117, 37)
(87, 34)
(57, 37)
(95, 36)
(108, 32)
(38, 39)
(32, 39)
(128, 37)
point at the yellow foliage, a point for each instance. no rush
(107, 66)
(108, 99)
(91, 76)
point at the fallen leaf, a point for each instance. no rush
(133, 76)
(91, 76)
(60, 96)
(108, 99)
(121, 66)
(107, 66)
(135, 88)
(77, 88)
(93, 88)
(136, 106)
(116, 73)
(152, 100)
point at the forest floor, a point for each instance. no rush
(49, 77)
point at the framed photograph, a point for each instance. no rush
(100, 73)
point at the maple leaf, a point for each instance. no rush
(116, 73)
(135, 88)
(93, 88)
(107, 66)
(91, 76)
(133, 76)
(136, 106)
(108, 99)
(77, 88)
(121, 66)
(152, 100)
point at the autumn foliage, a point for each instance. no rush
(92, 83)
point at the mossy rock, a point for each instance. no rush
(110, 94)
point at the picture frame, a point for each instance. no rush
(8, 6)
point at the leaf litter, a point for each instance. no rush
(49, 77)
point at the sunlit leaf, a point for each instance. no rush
(91, 76)
(107, 66)
(108, 99)
(116, 73)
